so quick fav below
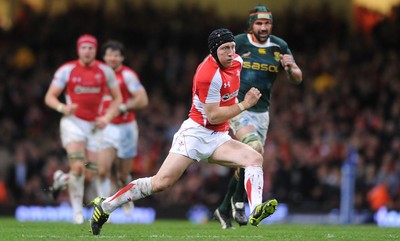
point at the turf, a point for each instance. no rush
(176, 230)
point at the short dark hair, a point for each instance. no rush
(114, 45)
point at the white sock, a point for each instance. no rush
(62, 181)
(135, 190)
(75, 189)
(254, 184)
(103, 187)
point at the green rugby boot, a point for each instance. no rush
(99, 217)
(262, 211)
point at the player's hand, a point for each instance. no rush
(102, 121)
(69, 109)
(287, 61)
(251, 98)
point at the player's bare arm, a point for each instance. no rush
(138, 101)
(52, 101)
(294, 72)
(113, 110)
(217, 114)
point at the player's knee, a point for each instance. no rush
(103, 169)
(253, 139)
(258, 146)
(77, 168)
(122, 178)
(161, 183)
(76, 161)
(76, 156)
(102, 172)
(253, 159)
(258, 159)
(124, 175)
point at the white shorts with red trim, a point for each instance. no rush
(197, 142)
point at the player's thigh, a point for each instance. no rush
(236, 154)
(170, 171)
(75, 147)
(74, 130)
(105, 159)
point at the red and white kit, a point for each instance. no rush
(122, 133)
(85, 86)
(198, 138)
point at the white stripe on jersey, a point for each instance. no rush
(110, 75)
(61, 76)
(214, 94)
(264, 45)
(131, 80)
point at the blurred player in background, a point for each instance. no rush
(85, 81)
(119, 139)
(204, 135)
(264, 56)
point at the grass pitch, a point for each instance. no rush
(176, 230)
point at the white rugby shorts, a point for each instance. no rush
(197, 142)
(123, 137)
(260, 121)
(74, 129)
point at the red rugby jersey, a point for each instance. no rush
(128, 82)
(85, 86)
(213, 84)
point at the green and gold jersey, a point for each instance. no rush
(261, 64)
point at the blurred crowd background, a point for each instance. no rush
(350, 97)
